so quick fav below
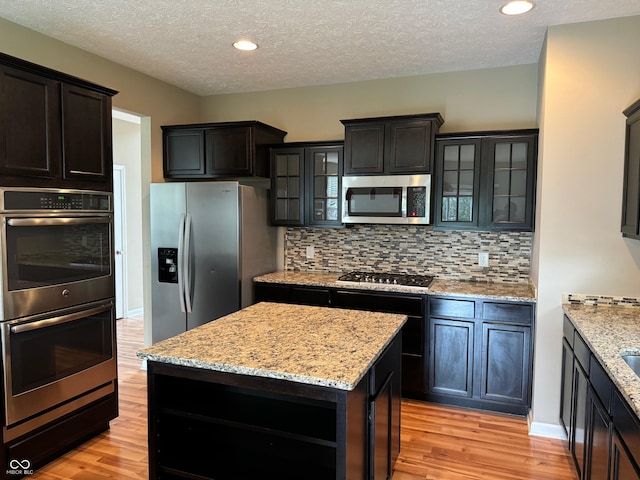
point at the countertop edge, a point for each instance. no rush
(440, 287)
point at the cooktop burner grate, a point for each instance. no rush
(396, 279)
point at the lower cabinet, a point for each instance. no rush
(463, 351)
(603, 432)
(480, 353)
(622, 465)
(451, 357)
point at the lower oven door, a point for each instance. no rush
(56, 360)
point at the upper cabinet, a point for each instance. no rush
(631, 188)
(486, 181)
(55, 130)
(390, 145)
(218, 150)
(305, 184)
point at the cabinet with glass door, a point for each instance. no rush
(306, 184)
(486, 181)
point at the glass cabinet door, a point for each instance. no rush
(324, 185)
(287, 186)
(458, 164)
(511, 182)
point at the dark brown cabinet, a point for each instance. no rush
(603, 431)
(631, 186)
(486, 180)
(55, 130)
(218, 150)
(451, 357)
(86, 123)
(390, 145)
(480, 353)
(305, 184)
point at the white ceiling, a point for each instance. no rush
(187, 43)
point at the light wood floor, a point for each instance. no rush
(437, 443)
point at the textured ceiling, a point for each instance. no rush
(187, 43)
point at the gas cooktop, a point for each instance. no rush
(395, 279)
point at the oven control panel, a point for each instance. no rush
(55, 200)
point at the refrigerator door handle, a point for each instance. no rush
(180, 262)
(186, 262)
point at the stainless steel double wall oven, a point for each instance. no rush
(57, 320)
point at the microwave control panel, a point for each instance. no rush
(416, 201)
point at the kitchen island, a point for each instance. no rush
(277, 391)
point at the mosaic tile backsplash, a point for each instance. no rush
(600, 300)
(411, 249)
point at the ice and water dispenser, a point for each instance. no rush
(168, 265)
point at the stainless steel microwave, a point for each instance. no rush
(393, 199)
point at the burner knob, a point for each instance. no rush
(388, 280)
(395, 281)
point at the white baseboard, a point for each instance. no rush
(548, 430)
(135, 312)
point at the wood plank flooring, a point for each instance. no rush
(437, 443)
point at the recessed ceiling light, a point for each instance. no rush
(245, 45)
(517, 7)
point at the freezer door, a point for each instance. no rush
(167, 207)
(214, 284)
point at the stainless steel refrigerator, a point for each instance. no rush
(208, 241)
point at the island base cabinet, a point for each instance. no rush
(205, 424)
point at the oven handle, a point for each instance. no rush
(27, 327)
(40, 222)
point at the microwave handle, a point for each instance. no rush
(58, 221)
(27, 327)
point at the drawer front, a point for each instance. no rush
(601, 383)
(320, 297)
(380, 302)
(582, 352)
(446, 307)
(568, 330)
(521, 314)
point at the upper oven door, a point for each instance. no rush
(52, 262)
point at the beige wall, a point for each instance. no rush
(590, 73)
(498, 98)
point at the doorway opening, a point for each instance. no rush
(127, 194)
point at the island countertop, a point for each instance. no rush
(611, 331)
(499, 291)
(314, 345)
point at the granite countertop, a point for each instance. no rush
(500, 291)
(611, 331)
(329, 347)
